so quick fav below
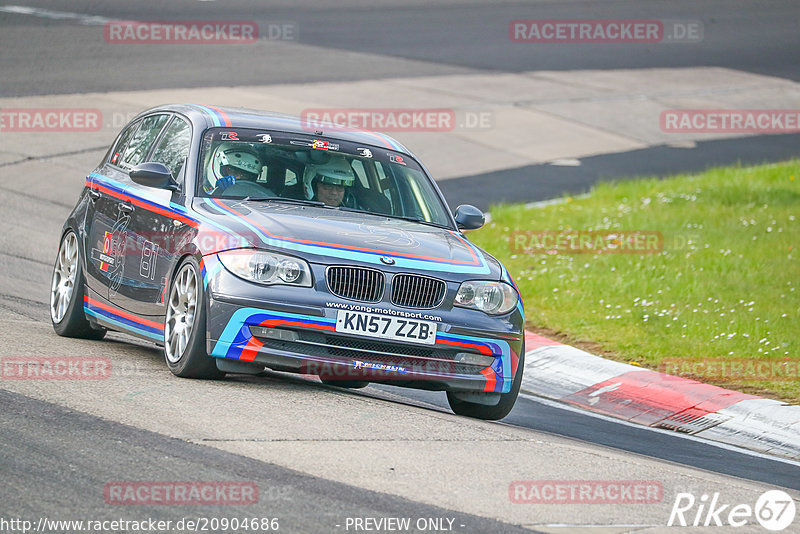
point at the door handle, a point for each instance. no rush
(94, 195)
(126, 208)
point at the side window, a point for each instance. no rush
(358, 168)
(381, 175)
(173, 149)
(123, 140)
(291, 178)
(387, 190)
(141, 142)
(263, 174)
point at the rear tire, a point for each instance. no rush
(67, 290)
(499, 410)
(185, 326)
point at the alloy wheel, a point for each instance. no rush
(180, 313)
(64, 274)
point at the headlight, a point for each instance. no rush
(266, 267)
(493, 298)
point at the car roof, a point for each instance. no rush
(212, 116)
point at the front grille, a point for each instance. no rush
(415, 291)
(355, 283)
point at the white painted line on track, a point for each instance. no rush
(578, 525)
(560, 200)
(565, 406)
(88, 20)
(567, 162)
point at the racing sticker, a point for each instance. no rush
(319, 144)
(364, 152)
(229, 136)
(358, 364)
(394, 158)
(117, 250)
(323, 145)
(104, 257)
(110, 258)
(264, 138)
(147, 265)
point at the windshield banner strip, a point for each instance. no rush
(220, 118)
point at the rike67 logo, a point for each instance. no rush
(774, 510)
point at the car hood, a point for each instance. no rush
(324, 235)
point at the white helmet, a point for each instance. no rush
(237, 155)
(336, 172)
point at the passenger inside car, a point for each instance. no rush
(235, 169)
(330, 183)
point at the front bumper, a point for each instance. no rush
(294, 329)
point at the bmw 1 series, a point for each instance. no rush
(242, 241)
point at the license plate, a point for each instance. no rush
(381, 326)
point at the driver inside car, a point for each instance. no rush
(234, 163)
(330, 183)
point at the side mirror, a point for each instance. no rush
(153, 174)
(469, 217)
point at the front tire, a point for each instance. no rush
(67, 290)
(185, 326)
(499, 410)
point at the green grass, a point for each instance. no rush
(723, 288)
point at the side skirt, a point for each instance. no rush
(114, 318)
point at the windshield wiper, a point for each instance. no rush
(286, 199)
(417, 220)
(343, 208)
(354, 210)
(403, 217)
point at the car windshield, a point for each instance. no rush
(261, 165)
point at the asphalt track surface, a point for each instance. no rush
(45, 56)
(546, 181)
(60, 444)
(37, 459)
